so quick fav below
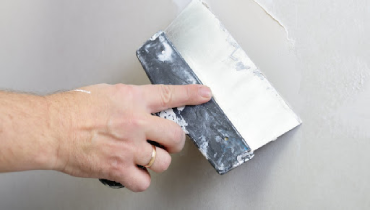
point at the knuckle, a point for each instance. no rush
(166, 95)
(189, 92)
(128, 91)
(115, 168)
(135, 121)
(115, 173)
(121, 87)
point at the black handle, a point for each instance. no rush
(111, 184)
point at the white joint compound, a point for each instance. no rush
(251, 103)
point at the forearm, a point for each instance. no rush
(100, 132)
(28, 139)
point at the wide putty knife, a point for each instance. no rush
(246, 111)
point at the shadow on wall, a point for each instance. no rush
(192, 179)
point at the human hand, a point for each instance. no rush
(104, 130)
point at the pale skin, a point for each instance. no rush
(99, 132)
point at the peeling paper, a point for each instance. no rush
(267, 6)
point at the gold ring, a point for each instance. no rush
(154, 153)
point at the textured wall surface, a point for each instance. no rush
(319, 61)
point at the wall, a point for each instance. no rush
(321, 67)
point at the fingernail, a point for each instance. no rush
(205, 92)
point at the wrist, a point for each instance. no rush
(31, 132)
(47, 142)
(58, 129)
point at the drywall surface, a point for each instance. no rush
(321, 67)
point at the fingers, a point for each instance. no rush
(161, 97)
(161, 162)
(139, 179)
(151, 99)
(165, 132)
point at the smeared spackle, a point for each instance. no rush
(243, 158)
(156, 35)
(237, 59)
(171, 115)
(259, 74)
(190, 79)
(181, 108)
(203, 146)
(232, 57)
(221, 167)
(218, 139)
(240, 66)
(166, 53)
(83, 91)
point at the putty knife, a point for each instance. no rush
(245, 113)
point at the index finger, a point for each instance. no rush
(162, 97)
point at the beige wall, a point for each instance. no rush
(46, 46)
